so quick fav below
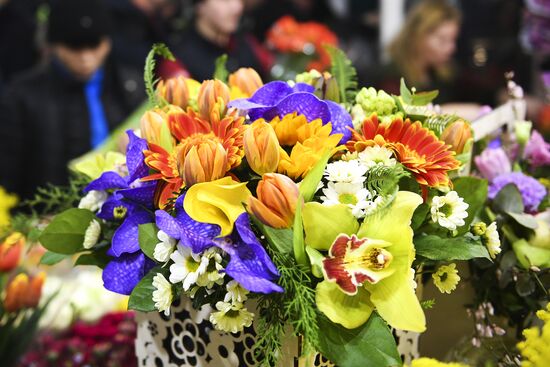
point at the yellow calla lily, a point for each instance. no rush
(217, 202)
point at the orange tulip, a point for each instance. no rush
(276, 202)
(261, 147)
(174, 91)
(457, 135)
(151, 125)
(206, 161)
(10, 251)
(247, 80)
(34, 291)
(212, 99)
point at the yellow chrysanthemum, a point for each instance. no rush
(7, 201)
(535, 349)
(430, 362)
(446, 278)
(287, 127)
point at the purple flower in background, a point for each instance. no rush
(493, 162)
(249, 264)
(537, 151)
(532, 191)
(279, 99)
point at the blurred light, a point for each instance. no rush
(277, 71)
(480, 55)
(308, 49)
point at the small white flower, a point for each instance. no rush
(449, 211)
(355, 196)
(93, 200)
(162, 295)
(230, 317)
(235, 292)
(492, 240)
(213, 273)
(412, 281)
(92, 234)
(376, 155)
(164, 248)
(346, 171)
(187, 267)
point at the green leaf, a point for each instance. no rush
(148, 240)
(474, 192)
(419, 216)
(280, 239)
(447, 249)
(52, 258)
(344, 72)
(416, 99)
(526, 220)
(371, 345)
(322, 224)
(404, 91)
(65, 234)
(141, 298)
(96, 258)
(316, 261)
(220, 72)
(308, 186)
(298, 236)
(509, 200)
(149, 71)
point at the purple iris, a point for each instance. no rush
(279, 99)
(131, 201)
(249, 264)
(532, 191)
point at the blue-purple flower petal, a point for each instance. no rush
(126, 237)
(135, 160)
(143, 193)
(306, 104)
(341, 121)
(107, 180)
(122, 274)
(303, 87)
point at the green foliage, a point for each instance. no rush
(65, 234)
(438, 123)
(370, 345)
(308, 186)
(416, 99)
(51, 199)
(271, 322)
(141, 298)
(447, 249)
(384, 180)
(147, 234)
(510, 202)
(52, 258)
(220, 72)
(428, 304)
(298, 236)
(474, 192)
(280, 240)
(97, 258)
(344, 72)
(159, 49)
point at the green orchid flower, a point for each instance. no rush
(368, 265)
(94, 165)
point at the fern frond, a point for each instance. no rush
(438, 123)
(344, 72)
(159, 49)
(384, 180)
(220, 72)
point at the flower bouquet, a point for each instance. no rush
(277, 214)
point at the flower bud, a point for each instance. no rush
(10, 251)
(479, 229)
(261, 147)
(457, 135)
(34, 290)
(151, 125)
(204, 162)
(246, 80)
(276, 202)
(326, 87)
(522, 130)
(212, 99)
(15, 293)
(174, 91)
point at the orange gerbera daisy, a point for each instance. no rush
(415, 146)
(223, 136)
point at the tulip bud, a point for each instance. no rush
(247, 80)
(34, 290)
(151, 125)
(174, 91)
(204, 162)
(16, 292)
(10, 251)
(276, 202)
(212, 99)
(261, 147)
(457, 135)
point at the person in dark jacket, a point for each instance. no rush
(68, 106)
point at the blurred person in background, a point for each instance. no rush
(214, 31)
(62, 109)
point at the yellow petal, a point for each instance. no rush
(217, 202)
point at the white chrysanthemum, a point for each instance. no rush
(492, 240)
(449, 211)
(187, 267)
(376, 155)
(231, 318)
(213, 273)
(354, 196)
(164, 248)
(235, 292)
(93, 200)
(412, 281)
(162, 295)
(92, 234)
(346, 171)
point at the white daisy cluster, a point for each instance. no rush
(449, 211)
(93, 201)
(346, 180)
(231, 315)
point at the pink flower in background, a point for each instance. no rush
(493, 162)
(537, 151)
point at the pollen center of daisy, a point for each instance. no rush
(232, 313)
(347, 199)
(446, 210)
(191, 264)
